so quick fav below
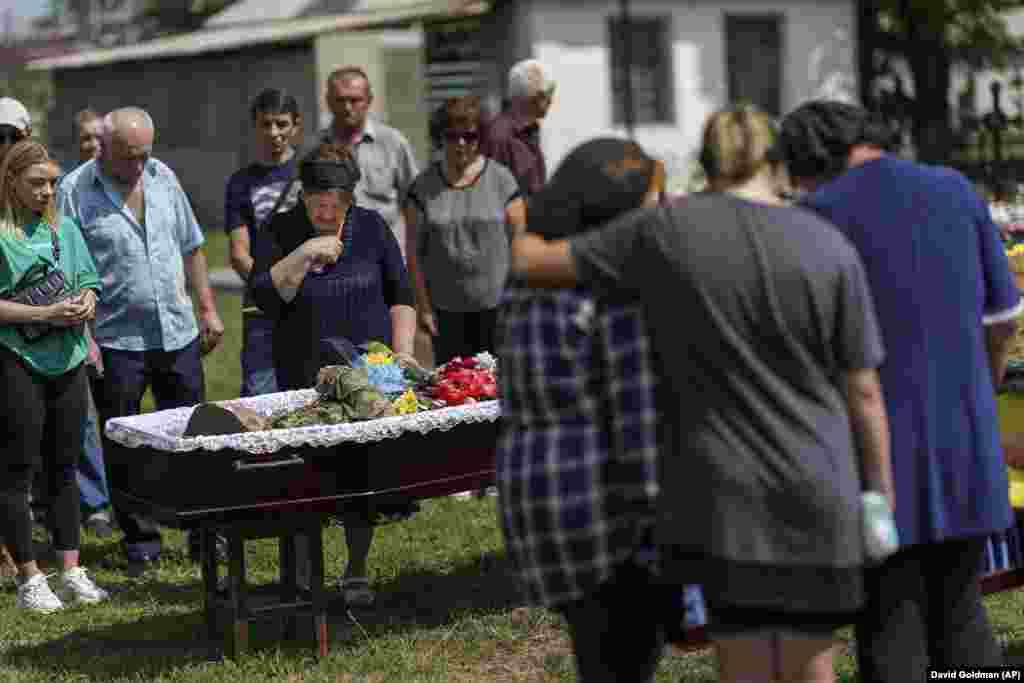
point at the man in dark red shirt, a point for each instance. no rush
(513, 137)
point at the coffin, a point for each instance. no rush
(181, 481)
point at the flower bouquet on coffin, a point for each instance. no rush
(366, 382)
(412, 388)
(465, 380)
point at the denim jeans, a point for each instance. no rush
(258, 375)
(91, 472)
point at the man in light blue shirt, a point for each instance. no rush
(146, 244)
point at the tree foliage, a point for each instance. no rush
(932, 36)
(973, 29)
(168, 16)
(183, 15)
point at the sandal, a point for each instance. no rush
(357, 592)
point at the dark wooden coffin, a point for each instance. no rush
(182, 488)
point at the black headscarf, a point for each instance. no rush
(596, 182)
(318, 176)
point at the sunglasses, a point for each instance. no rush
(467, 136)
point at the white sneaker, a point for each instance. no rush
(76, 586)
(35, 595)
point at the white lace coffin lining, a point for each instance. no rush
(162, 430)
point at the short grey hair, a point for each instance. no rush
(528, 78)
(110, 120)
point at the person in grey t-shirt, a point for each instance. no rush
(460, 215)
(765, 336)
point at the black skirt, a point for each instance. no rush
(836, 592)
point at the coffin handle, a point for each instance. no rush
(241, 465)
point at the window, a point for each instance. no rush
(454, 59)
(646, 57)
(753, 50)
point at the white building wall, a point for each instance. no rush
(819, 44)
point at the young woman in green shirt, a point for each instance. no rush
(43, 383)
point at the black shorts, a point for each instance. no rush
(749, 622)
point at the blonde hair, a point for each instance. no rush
(13, 215)
(737, 143)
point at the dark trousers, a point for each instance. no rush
(41, 427)
(176, 378)
(618, 631)
(258, 374)
(92, 469)
(464, 334)
(924, 609)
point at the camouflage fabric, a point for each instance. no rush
(344, 395)
(317, 413)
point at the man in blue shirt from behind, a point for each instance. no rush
(947, 305)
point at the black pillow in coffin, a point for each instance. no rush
(209, 419)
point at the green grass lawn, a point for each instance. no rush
(448, 610)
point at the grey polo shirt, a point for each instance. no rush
(388, 165)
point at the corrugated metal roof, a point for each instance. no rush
(229, 38)
(251, 11)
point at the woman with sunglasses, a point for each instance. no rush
(460, 216)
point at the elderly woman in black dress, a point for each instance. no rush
(334, 270)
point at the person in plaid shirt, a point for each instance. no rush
(577, 455)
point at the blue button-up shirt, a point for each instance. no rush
(145, 303)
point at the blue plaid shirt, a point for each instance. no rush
(576, 461)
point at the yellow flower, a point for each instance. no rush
(378, 358)
(406, 403)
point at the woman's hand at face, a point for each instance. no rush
(322, 251)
